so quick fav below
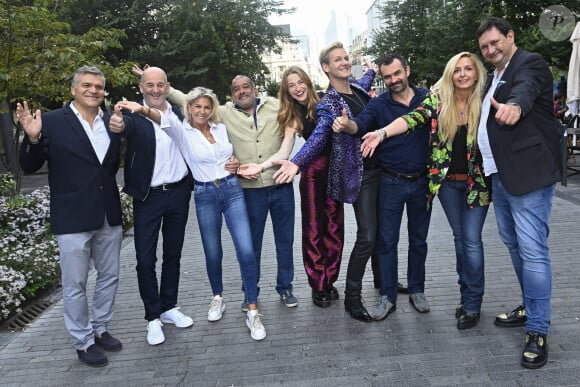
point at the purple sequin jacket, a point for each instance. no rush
(346, 162)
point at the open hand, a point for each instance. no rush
(31, 125)
(286, 172)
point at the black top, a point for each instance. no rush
(308, 124)
(356, 103)
(458, 151)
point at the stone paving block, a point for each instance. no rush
(309, 346)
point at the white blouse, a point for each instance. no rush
(205, 160)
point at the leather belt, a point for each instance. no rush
(403, 176)
(216, 182)
(168, 186)
(456, 176)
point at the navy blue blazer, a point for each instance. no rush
(527, 155)
(140, 154)
(82, 190)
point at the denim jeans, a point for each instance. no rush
(279, 201)
(394, 195)
(523, 223)
(466, 224)
(227, 198)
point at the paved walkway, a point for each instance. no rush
(308, 346)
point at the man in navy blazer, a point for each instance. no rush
(85, 209)
(519, 139)
(158, 179)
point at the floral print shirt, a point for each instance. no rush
(478, 189)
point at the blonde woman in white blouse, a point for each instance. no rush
(204, 143)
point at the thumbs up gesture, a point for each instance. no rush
(506, 114)
(340, 124)
(117, 124)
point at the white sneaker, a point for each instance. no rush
(155, 334)
(216, 308)
(253, 322)
(174, 316)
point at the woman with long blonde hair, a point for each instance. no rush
(455, 169)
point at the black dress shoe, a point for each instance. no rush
(459, 310)
(356, 309)
(93, 356)
(108, 342)
(467, 320)
(332, 292)
(535, 353)
(402, 289)
(320, 299)
(515, 318)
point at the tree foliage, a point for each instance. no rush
(203, 42)
(429, 32)
(39, 54)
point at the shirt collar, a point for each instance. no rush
(79, 115)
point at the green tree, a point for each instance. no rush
(39, 55)
(203, 42)
(429, 32)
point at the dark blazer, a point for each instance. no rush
(140, 154)
(82, 190)
(527, 155)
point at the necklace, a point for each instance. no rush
(355, 98)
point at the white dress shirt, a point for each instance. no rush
(97, 135)
(482, 136)
(169, 165)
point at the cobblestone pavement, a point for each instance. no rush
(308, 346)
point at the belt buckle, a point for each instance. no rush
(164, 187)
(217, 182)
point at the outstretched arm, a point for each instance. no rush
(253, 170)
(406, 123)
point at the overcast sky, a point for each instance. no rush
(312, 16)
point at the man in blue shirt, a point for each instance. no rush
(403, 161)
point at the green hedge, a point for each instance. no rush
(29, 256)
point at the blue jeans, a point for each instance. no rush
(279, 201)
(394, 195)
(466, 224)
(523, 225)
(227, 198)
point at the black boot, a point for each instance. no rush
(320, 299)
(356, 309)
